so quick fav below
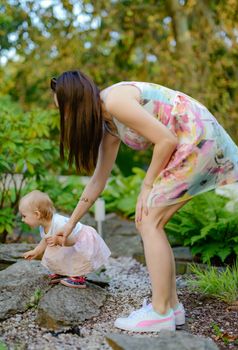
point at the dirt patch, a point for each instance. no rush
(211, 318)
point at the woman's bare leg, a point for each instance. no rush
(159, 256)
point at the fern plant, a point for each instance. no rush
(207, 227)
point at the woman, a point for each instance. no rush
(191, 154)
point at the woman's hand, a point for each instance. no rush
(64, 233)
(54, 240)
(31, 254)
(141, 206)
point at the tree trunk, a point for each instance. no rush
(180, 27)
(186, 68)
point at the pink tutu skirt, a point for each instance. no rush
(88, 254)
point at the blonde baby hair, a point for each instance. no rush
(39, 201)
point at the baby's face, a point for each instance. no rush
(29, 216)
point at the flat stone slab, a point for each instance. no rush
(99, 277)
(12, 252)
(182, 254)
(20, 286)
(64, 306)
(25, 284)
(122, 236)
(165, 341)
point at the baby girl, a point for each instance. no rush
(84, 251)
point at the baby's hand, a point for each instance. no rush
(32, 254)
(54, 240)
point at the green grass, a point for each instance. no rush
(35, 298)
(220, 284)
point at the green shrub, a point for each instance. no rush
(27, 150)
(64, 194)
(121, 193)
(207, 227)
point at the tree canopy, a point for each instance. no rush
(188, 45)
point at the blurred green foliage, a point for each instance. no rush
(28, 152)
(122, 191)
(207, 227)
(188, 45)
(29, 160)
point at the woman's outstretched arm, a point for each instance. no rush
(107, 155)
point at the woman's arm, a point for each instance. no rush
(107, 155)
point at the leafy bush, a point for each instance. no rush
(213, 282)
(121, 193)
(64, 194)
(27, 149)
(207, 227)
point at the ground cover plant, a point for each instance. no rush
(214, 282)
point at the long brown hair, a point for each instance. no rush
(81, 121)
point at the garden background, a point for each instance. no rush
(186, 45)
(191, 46)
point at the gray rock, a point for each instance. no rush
(21, 285)
(122, 236)
(99, 277)
(165, 340)
(12, 252)
(182, 254)
(124, 246)
(181, 267)
(63, 306)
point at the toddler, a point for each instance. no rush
(84, 250)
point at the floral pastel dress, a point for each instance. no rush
(205, 157)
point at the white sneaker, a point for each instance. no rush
(146, 320)
(179, 314)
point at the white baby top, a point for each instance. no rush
(58, 221)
